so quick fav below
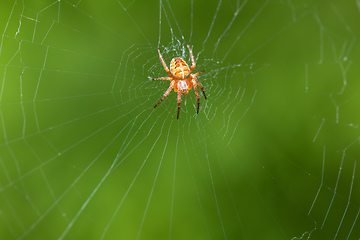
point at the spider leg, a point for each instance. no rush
(163, 63)
(198, 73)
(197, 94)
(179, 99)
(192, 59)
(162, 78)
(166, 93)
(201, 87)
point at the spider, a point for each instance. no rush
(181, 79)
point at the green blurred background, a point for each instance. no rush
(272, 153)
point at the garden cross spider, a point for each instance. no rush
(181, 79)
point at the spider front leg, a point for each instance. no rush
(192, 59)
(164, 64)
(167, 93)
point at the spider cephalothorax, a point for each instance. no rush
(182, 80)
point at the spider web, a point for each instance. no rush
(272, 153)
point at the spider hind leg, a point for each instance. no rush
(179, 100)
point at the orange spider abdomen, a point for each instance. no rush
(179, 68)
